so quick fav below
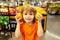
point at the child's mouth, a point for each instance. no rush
(28, 19)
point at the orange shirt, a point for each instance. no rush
(29, 32)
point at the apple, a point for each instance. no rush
(11, 11)
(15, 11)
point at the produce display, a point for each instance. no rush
(54, 5)
(4, 20)
(13, 11)
(9, 9)
(54, 8)
(1, 3)
(17, 10)
(4, 8)
(4, 11)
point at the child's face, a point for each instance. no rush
(28, 16)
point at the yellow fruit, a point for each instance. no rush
(19, 15)
(26, 4)
(12, 17)
(19, 8)
(4, 10)
(2, 7)
(37, 15)
(40, 10)
(11, 9)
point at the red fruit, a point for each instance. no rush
(15, 11)
(11, 12)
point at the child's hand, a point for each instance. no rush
(17, 19)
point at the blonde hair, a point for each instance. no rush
(30, 9)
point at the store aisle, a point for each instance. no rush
(53, 27)
(52, 30)
(53, 24)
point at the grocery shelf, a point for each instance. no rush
(53, 7)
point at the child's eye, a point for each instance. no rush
(31, 14)
(25, 13)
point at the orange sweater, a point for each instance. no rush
(29, 32)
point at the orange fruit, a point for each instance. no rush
(11, 9)
(19, 15)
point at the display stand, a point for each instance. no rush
(9, 28)
(54, 8)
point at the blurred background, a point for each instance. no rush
(50, 9)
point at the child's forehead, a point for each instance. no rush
(27, 11)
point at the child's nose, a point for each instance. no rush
(28, 16)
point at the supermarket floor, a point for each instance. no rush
(52, 30)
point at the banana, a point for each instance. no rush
(37, 15)
(40, 10)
